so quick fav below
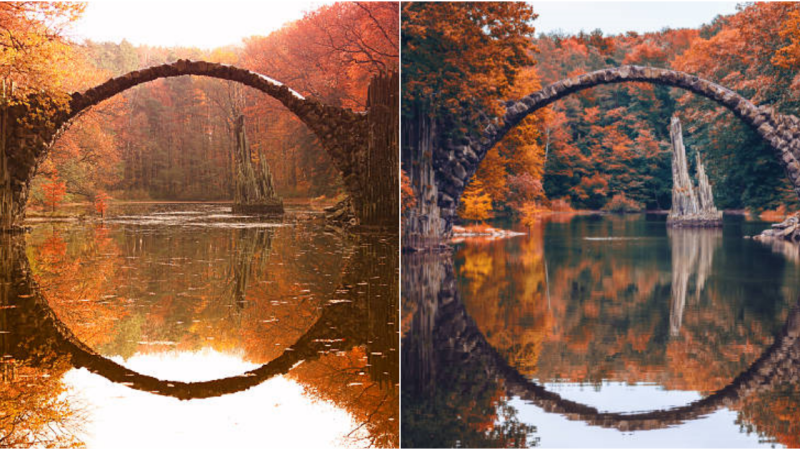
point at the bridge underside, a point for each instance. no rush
(363, 146)
(441, 168)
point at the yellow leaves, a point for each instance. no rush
(34, 49)
(34, 412)
(476, 203)
(531, 213)
(492, 175)
(477, 267)
(342, 379)
(516, 321)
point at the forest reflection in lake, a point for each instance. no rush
(193, 327)
(602, 331)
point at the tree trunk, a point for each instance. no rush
(687, 208)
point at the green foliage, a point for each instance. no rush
(621, 131)
(460, 58)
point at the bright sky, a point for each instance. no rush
(209, 24)
(205, 24)
(619, 17)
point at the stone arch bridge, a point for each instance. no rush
(363, 146)
(441, 182)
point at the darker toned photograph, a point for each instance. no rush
(600, 242)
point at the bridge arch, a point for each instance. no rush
(323, 120)
(356, 142)
(458, 162)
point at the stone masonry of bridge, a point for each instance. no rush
(443, 168)
(360, 144)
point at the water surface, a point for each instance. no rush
(187, 326)
(603, 331)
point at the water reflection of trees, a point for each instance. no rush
(773, 414)
(444, 352)
(34, 408)
(349, 347)
(616, 309)
(448, 399)
(144, 291)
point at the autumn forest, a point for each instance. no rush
(399, 224)
(173, 139)
(608, 147)
(199, 242)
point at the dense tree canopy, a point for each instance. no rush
(612, 141)
(35, 52)
(172, 139)
(459, 57)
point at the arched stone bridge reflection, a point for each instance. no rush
(342, 325)
(442, 330)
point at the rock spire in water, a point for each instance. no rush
(254, 190)
(691, 206)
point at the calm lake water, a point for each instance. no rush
(603, 331)
(187, 326)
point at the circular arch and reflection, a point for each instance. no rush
(442, 324)
(340, 322)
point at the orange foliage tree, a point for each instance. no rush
(34, 46)
(476, 203)
(54, 191)
(100, 203)
(408, 200)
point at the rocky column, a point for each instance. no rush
(684, 200)
(704, 194)
(687, 209)
(254, 193)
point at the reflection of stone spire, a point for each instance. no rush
(692, 254)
